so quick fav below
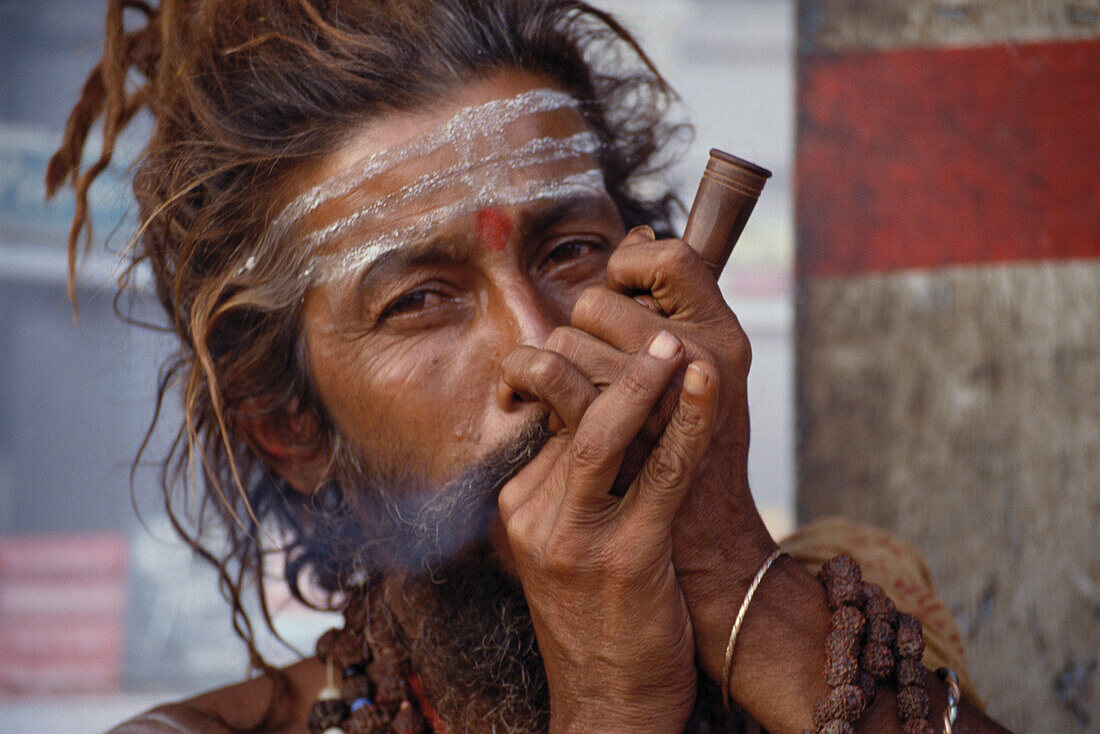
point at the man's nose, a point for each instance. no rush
(530, 315)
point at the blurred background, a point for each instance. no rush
(935, 276)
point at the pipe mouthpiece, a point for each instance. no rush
(727, 194)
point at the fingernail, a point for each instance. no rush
(664, 346)
(695, 380)
(645, 230)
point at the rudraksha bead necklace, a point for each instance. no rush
(869, 641)
(379, 693)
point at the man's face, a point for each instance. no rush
(444, 237)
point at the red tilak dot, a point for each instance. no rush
(494, 228)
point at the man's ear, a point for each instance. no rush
(288, 439)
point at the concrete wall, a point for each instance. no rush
(948, 318)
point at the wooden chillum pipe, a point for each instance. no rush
(727, 193)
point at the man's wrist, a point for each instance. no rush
(780, 644)
(606, 716)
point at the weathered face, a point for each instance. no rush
(444, 238)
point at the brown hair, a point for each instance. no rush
(243, 94)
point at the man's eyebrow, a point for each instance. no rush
(581, 207)
(438, 250)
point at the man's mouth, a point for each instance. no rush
(429, 528)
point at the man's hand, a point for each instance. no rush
(719, 540)
(612, 625)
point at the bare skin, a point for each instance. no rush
(434, 360)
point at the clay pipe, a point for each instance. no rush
(727, 193)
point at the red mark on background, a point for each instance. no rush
(494, 228)
(923, 158)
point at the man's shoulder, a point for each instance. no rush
(276, 704)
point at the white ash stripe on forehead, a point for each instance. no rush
(331, 267)
(468, 124)
(490, 171)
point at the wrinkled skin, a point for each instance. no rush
(425, 364)
(428, 364)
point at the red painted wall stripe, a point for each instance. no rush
(923, 158)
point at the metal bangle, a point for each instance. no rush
(741, 618)
(953, 696)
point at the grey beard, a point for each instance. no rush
(423, 529)
(464, 621)
(469, 633)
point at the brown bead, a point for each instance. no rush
(843, 702)
(845, 632)
(841, 670)
(838, 644)
(357, 686)
(327, 714)
(849, 618)
(912, 702)
(823, 713)
(408, 720)
(367, 720)
(325, 644)
(866, 683)
(349, 650)
(877, 604)
(842, 591)
(879, 632)
(390, 685)
(842, 566)
(917, 726)
(910, 672)
(836, 727)
(877, 660)
(841, 578)
(910, 640)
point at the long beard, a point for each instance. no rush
(464, 621)
(469, 633)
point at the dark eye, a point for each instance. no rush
(412, 302)
(569, 255)
(568, 251)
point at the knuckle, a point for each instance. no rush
(666, 468)
(589, 305)
(689, 422)
(561, 555)
(741, 353)
(519, 527)
(548, 369)
(675, 256)
(587, 450)
(744, 351)
(634, 385)
(560, 339)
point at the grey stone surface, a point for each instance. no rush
(836, 25)
(961, 408)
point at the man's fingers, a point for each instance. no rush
(671, 271)
(550, 378)
(615, 319)
(597, 360)
(666, 475)
(614, 419)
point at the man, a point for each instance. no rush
(401, 244)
